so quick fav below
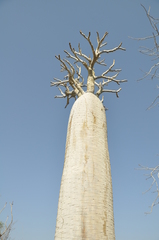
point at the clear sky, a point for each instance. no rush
(33, 125)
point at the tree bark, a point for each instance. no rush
(85, 208)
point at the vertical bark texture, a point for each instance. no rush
(85, 209)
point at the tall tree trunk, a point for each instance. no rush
(85, 208)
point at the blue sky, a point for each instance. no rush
(33, 125)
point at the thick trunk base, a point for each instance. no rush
(85, 209)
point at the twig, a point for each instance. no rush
(152, 174)
(7, 228)
(154, 103)
(3, 207)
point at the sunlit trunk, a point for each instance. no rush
(85, 208)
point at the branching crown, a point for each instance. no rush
(73, 82)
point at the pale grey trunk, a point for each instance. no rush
(85, 209)
(90, 81)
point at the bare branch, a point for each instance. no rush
(151, 52)
(101, 90)
(102, 62)
(149, 72)
(67, 94)
(74, 78)
(155, 41)
(109, 79)
(153, 173)
(151, 19)
(88, 39)
(77, 58)
(63, 65)
(59, 82)
(141, 38)
(3, 207)
(100, 41)
(154, 103)
(113, 49)
(97, 53)
(71, 56)
(71, 72)
(108, 70)
(81, 54)
(7, 229)
(80, 76)
(113, 91)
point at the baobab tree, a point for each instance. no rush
(152, 73)
(85, 208)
